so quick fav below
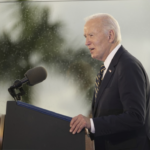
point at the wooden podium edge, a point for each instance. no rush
(2, 119)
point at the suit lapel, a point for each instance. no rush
(108, 76)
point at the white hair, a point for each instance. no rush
(109, 23)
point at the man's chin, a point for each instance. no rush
(92, 55)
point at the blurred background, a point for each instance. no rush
(50, 34)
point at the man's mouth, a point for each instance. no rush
(91, 49)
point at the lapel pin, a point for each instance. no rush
(110, 71)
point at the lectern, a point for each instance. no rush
(32, 128)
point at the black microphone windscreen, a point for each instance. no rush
(36, 75)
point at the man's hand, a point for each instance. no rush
(78, 123)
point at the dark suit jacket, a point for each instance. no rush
(121, 113)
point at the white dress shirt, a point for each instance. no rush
(106, 64)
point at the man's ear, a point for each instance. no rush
(111, 36)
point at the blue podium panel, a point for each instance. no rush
(29, 128)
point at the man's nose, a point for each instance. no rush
(87, 42)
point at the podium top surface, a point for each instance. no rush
(44, 111)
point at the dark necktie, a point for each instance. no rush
(99, 80)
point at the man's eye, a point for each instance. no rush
(91, 35)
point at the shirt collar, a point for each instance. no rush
(110, 56)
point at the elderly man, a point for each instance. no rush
(121, 101)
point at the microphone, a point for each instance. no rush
(32, 77)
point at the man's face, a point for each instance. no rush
(96, 40)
